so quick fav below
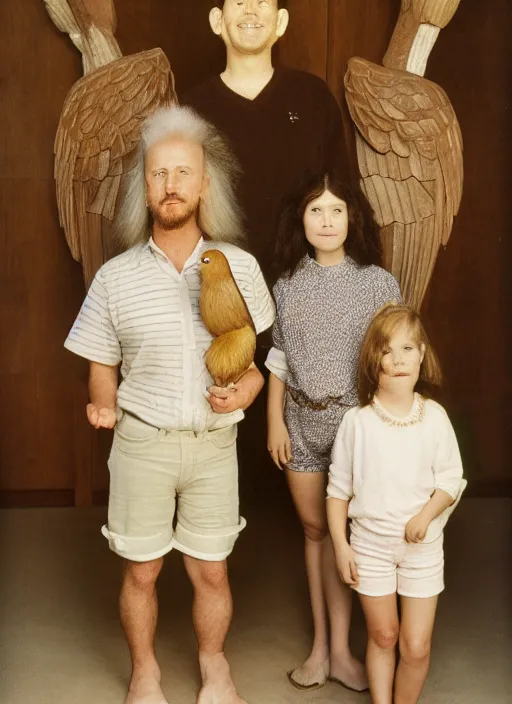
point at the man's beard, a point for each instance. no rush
(170, 220)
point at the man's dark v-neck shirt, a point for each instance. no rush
(291, 129)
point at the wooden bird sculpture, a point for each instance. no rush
(99, 128)
(227, 319)
(409, 146)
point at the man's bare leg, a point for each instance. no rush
(139, 612)
(212, 612)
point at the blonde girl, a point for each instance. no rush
(396, 474)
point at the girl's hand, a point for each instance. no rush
(278, 444)
(346, 561)
(101, 417)
(416, 528)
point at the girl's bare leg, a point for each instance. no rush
(344, 667)
(381, 614)
(417, 625)
(327, 593)
(308, 494)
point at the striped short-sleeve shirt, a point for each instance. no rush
(140, 312)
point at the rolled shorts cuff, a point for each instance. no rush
(140, 549)
(214, 547)
(434, 591)
(420, 595)
(306, 469)
(366, 592)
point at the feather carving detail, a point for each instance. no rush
(409, 149)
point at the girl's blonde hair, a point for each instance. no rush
(383, 326)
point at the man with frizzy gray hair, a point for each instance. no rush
(174, 450)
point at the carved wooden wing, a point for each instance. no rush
(409, 149)
(98, 131)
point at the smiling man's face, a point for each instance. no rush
(249, 26)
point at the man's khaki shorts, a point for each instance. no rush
(160, 479)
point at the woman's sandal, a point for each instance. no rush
(337, 681)
(305, 687)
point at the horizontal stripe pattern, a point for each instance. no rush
(140, 313)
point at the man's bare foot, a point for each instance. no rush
(349, 672)
(218, 687)
(312, 674)
(145, 690)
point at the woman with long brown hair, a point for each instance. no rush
(329, 287)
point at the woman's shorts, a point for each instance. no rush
(391, 565)
(312, 434)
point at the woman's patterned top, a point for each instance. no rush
(322, 316)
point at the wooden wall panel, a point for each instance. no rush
(305, 44)
(358, 28)
(41, 287)
(183, 31)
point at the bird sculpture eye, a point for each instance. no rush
(206, 260)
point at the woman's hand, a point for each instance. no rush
(346, 561)
(278, 443)
(416, 528)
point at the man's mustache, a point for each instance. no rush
(171, 198)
